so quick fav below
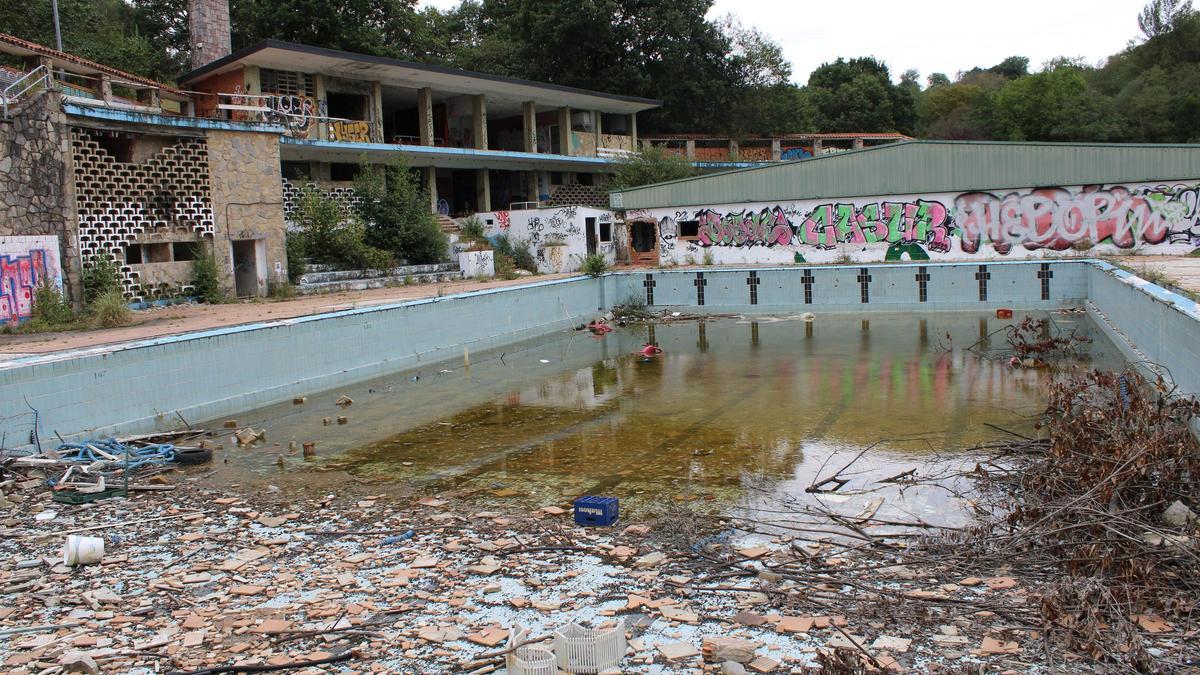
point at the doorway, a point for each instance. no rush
(643, 243)
(589, 226)
(245, 267)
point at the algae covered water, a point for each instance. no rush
(733, 407)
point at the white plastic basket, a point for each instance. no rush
(589, 650)
(527, 660)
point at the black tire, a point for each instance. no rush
(189, 456)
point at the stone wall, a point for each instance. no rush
(208, 22)
(248, 203)
(36, 195)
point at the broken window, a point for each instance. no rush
(605, 232)
(689, 229)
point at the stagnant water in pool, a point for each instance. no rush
(732, 408)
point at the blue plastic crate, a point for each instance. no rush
(596, 511)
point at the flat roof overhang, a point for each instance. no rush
(287, 56)
(302, 150)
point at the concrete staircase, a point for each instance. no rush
(319, 279)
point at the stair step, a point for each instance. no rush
(339, 286)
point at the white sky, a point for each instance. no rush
(933, 35)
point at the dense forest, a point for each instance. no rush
(713, 76)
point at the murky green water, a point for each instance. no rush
(730, 403)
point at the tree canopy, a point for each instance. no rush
(713, 75)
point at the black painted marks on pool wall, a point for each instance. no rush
(983, 275)
(753, 281)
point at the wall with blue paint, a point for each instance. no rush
(137, 387)
(863, 288)
(1156, 329)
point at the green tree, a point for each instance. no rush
(379, 27)
(653, 164)
(1162, 16)
(858, 95)
(396, 213)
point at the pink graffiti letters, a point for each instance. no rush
(1057, 219)
(19, 277)
(768, 227)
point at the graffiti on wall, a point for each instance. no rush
(345, 130)
(1058, 219)
(1046, 218)
(25, 264)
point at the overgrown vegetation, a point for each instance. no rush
(472, 229)
(652, 164)
(50, 307)
(100, 276)
(110, 310)
(517, 251)
(395, 213)
(326, 233)
(594, 265)
(297, 256)
(632, 308)
(206, 278)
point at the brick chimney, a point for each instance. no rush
(208, 21)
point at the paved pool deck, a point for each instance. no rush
(1184, 272)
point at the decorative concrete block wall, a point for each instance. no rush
(167, 195)
(342, 194)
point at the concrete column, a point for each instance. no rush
(483, 190)
(858, 144)
(253, 79)
(377, 112)
(633, 131)
(691, 149)
(596, 126)
(425, 115)
(776, 150)
(430, 175)
(564, 131)
(106, 88)
(479, 114)
(817, 146)
(320, 94)
(733, 149)
(532, 186)
(529, 125)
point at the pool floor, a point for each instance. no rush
(733, 407)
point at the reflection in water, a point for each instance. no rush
(721, 407)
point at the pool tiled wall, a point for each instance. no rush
(141, 386)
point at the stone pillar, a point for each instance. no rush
(320, 94)
(858, 144)
(529, 125)
(377, 112)
(479, 116)
(564, 131)
(633, 131)
(208, 25)
(776, 150)
(483, 190)
(690, 146)
(106, 88)
(734, 151)
(425, 115)
(596, 126)
(817, 146)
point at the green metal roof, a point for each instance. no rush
(923, 167)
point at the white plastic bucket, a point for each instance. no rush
(82, 550)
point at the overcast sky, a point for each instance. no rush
(934, 35)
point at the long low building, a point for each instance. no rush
(924, 200)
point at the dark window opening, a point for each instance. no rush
(556, 178)
(605, 232)
(342, 172)
(133, 254)
(689, 229)
(121, 148)
(295, 170)
(184, 250)
(346, 106)
(585, 179)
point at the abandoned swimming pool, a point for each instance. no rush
(733, 405)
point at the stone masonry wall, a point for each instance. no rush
(36, 193)
(247, 200)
